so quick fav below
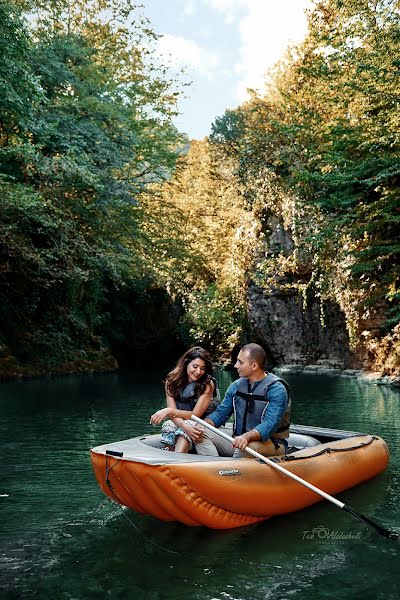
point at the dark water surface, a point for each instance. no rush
(61, 539)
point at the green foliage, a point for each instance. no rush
(85, 131)
(214, 318)
(321, 151)
(103, 210)
(203, 243)
(20, 89)
(51, 292)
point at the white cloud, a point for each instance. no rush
(183, 52)
(265, 32)
(266, 28)
(228, 8)
(189, 8)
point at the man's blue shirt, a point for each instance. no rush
(277, 402)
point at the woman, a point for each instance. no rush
(190, 389)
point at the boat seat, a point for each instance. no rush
(298, 441)
(153, 440)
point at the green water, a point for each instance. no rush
(61, 539)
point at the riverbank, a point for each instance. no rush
(11, 368)
(329, 368)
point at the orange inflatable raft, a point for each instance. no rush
(223, 493)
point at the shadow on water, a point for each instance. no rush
(62, 539)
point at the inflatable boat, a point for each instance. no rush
(222, 493)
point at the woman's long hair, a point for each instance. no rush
(177, 379)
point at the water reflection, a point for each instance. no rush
(57, 522)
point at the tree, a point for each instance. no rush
(205, 240)
(75, 161)
(20, 90)
(320, 151)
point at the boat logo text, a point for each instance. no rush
(224, 472)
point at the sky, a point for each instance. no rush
(225, 46)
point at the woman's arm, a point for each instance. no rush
(170, 412)
(201, 405)
(178, 416)
(195, 431)
(204, 400)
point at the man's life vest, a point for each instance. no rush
(188, 398)
(250, 406)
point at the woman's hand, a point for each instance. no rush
(159, 416)
(194, 431)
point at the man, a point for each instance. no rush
(261, 404)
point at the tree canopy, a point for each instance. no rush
(321, 150)
(109, 217)
(85, 129)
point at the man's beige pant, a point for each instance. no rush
(212, 444)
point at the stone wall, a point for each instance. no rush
(294, 334)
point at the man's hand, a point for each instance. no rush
(241, 441)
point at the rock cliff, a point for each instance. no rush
(294, 334)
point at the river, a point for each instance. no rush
(62, 539)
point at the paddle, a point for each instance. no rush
(391, 535)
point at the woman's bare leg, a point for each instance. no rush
(182, 445)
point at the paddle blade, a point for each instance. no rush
(391, 535)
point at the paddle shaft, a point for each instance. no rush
(392, 535)
(310, 486)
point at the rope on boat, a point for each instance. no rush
(328, 450)
(130, 521)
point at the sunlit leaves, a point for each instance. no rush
(203, 245)
(321, 151)
(85, 131)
